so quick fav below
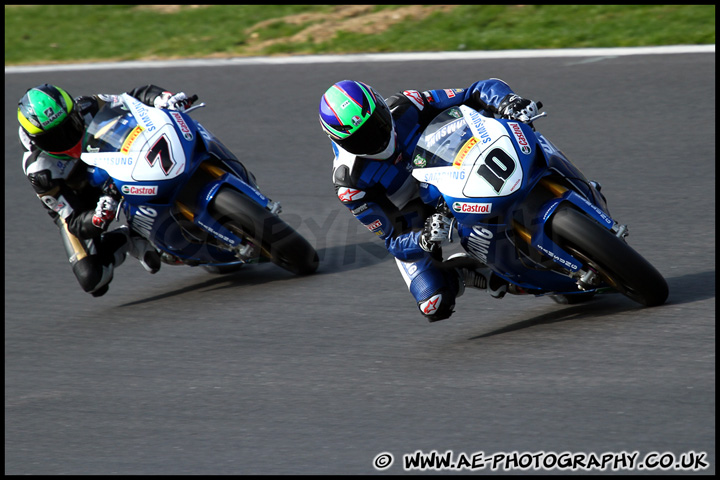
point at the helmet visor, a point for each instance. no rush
(61, 137)
(373, 136)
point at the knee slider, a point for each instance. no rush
(92, 274)
(437, 307)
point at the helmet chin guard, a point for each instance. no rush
(389, 150)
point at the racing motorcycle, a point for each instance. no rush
(186, 193)
(521, 208)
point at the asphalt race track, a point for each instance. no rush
(260, 372)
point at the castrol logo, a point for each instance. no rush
(139, 190)
(180, 122)
(520, 138)
(464, 207)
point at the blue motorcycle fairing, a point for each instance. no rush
(490, 245)
(208, 222)
(560, 163)
(513, 159)
(147, 221)
(128, 141)
(217, 149)
(98, 177)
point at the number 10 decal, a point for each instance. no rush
(497, 169)
(161, 151)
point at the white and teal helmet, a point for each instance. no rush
(357, 118)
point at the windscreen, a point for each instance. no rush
(109, 130)
(443, 140)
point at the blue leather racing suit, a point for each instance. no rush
(383, 195)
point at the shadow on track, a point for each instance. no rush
(597, 307)
(332, 260)
(684, 289)
(343, 258)
(692, 287)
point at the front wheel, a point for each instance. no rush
(609, 256)
(277, 240)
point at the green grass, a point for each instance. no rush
(67, 33)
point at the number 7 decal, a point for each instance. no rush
(161, 152)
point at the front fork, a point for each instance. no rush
(243, 250)
(587, 279)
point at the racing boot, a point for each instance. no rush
(113, 250)
(484, 279)
(480, 276)
(143, 250)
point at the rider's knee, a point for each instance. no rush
(438, 307)
(92, 275)
(434, 289)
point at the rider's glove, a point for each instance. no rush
(167, 100)
(436, 231)
(515, 107)
(105, 212)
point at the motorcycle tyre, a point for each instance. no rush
(617, 263)
(278, 240)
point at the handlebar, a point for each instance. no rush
(532, 119)
(192, 100)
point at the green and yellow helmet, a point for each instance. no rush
(357, 118)
(50, 118)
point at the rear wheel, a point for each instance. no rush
(609, 256)
(277, 240)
